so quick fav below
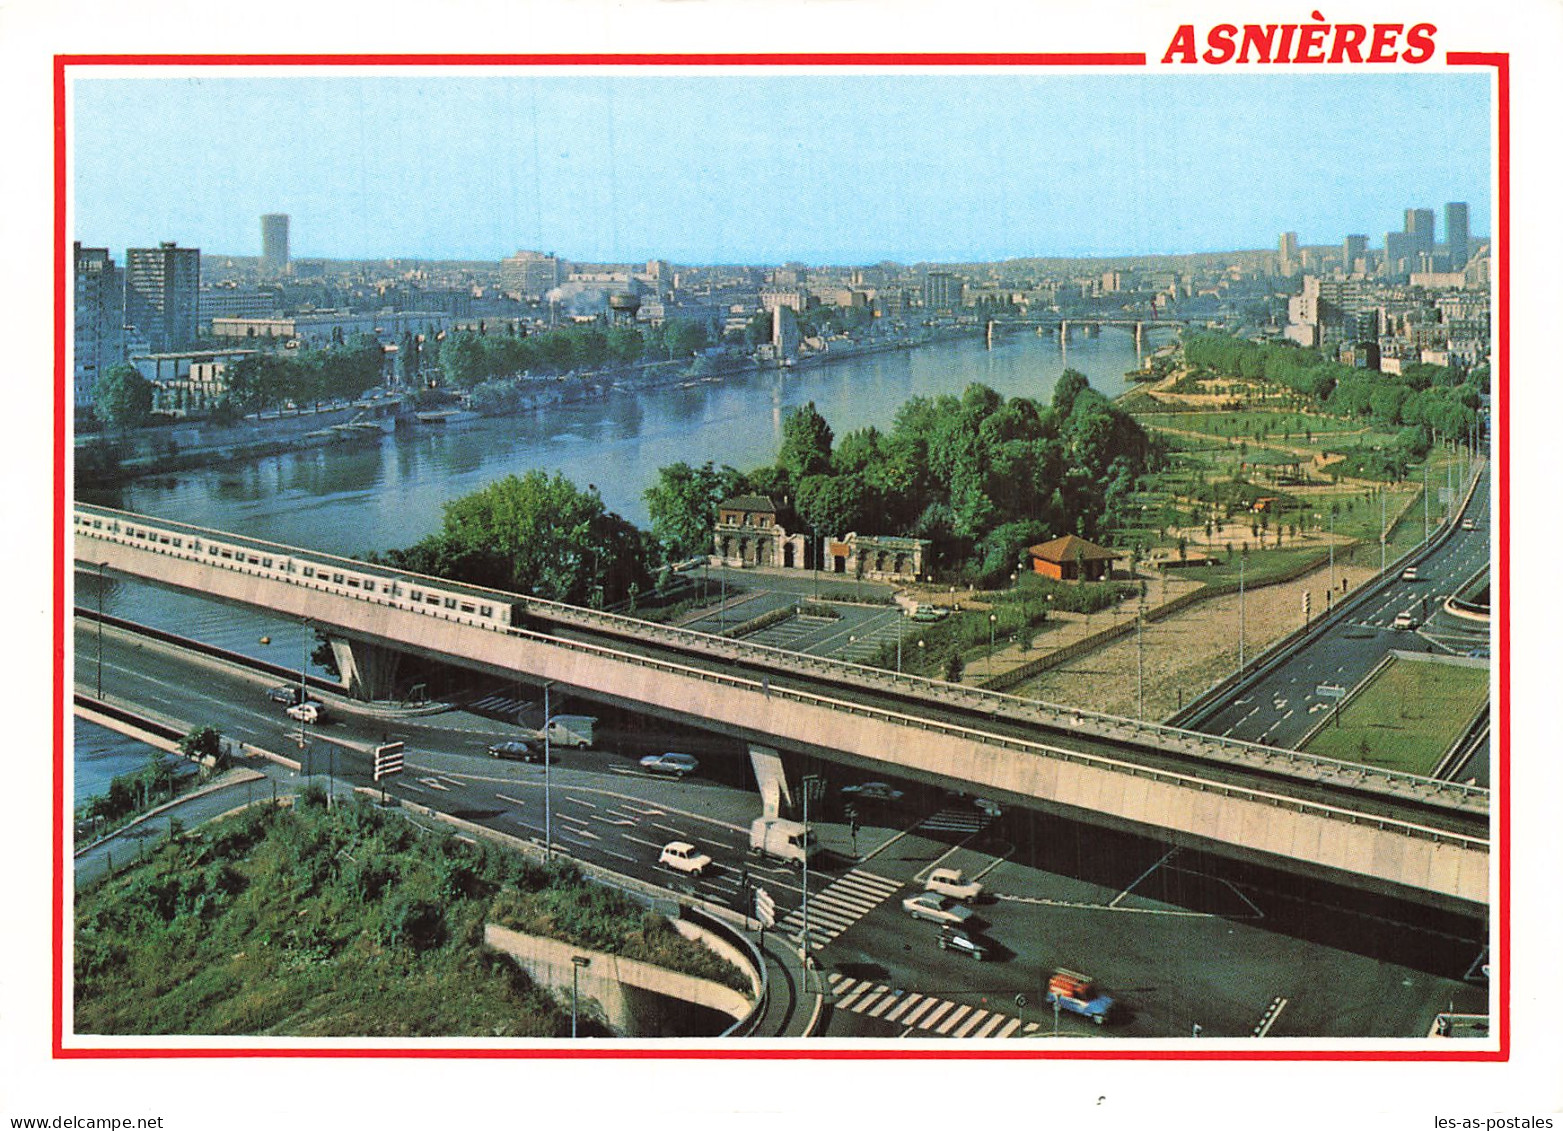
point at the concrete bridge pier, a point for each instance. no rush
(1139, 342)
(368, 670)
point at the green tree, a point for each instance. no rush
(682, 504)
(805, 448)
(830, 504)
(122, 397)
(461, 360)
(203, 743)
(534, 534)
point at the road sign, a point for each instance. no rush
(1330, 691)
(764, 907)
(1020, 1001)
(387, 759)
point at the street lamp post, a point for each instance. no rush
(811, 783)
(993, 619)
(578, 962)
(1242, 613)
(548, 801)
(1139, 662)
(100, 630)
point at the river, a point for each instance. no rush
(352, 499)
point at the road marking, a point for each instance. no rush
(1271, 1013)
(994, 1021)
(432, 783)
(619, 823)
(579, 801)
(512, 800)
(911, 1018)
(906, 1003)
(952, 1019)
(1142, 875)
(1009, 1029)
(971, 1023)
(944, 1007)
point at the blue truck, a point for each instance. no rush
(1078, 994)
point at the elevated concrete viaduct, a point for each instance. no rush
(1336, 841)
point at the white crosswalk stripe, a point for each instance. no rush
(839, 906)
(953, 820)
(915, 1011)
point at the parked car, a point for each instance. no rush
(515, 750)
(288, 694)
(684, 857)
(872, 791)
(951, 882)
(936, 908)
(963, 942)
(308, 711)
(1078, 994)
(670, 763)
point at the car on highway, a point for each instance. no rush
(1405, 620)
(515, 750)
(872, 791)
(963, 942)
(309, 711)
(670, 762)
(1408, 574)
(1468, 524)
(936, 908)
(681, 856)
(287, 694)
(951, 882)
(1078, 994)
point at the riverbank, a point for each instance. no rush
(104, 461)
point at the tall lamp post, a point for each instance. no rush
(578, 962)
(548, 802)
(993, 619)
(814, 785)
(101, 565)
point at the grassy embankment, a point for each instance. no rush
(301, 921)
(1407, 718)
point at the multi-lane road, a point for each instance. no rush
(1179, 937)
(1280, 708)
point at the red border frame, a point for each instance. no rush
(812, 1051)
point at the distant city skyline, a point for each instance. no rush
(767, 168)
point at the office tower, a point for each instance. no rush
(162, 294)
(274, 242)
(1352, 249)
(1457, 233)
(1419, 226)
(1399, 253)
(530, 274)
(941, 291)
(1288, 264)
(99, 320)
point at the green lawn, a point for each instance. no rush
(1247, 423)
(1407, 718)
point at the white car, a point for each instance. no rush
(936, 908)
(308, 711)
(684, 857)
(950, 882)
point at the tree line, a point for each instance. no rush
(1435, 397)
(980, 476)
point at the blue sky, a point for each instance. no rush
(824, 168)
